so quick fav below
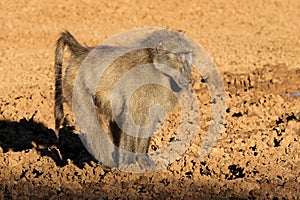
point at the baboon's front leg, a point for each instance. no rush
(127, 149)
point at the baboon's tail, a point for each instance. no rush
(76, 50)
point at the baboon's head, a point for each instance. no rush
(180, 61)
(172, 50)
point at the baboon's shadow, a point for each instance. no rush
(28, 134)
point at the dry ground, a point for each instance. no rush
(256, 46)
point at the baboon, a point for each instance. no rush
(160, 49)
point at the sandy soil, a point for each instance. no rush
(256, 46)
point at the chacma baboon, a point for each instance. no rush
(157, 53)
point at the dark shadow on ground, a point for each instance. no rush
(28, 134)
